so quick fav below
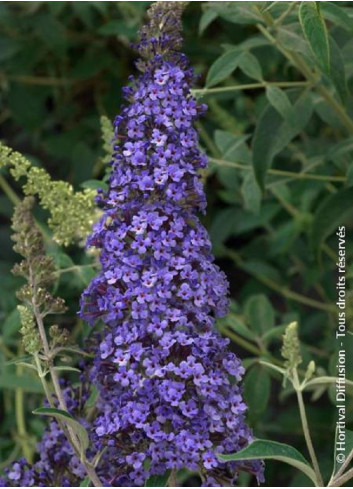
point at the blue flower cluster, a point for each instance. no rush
(169, 393)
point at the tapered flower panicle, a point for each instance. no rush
(169, 393)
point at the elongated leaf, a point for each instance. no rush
(272, 134)
(251, 193)
(333, 212)
(11, 325)
(279, 100)
(266, 449)
(290, 39)
(250, 65)
(260, 314)
(18, 360)
(158, 480)
(337, 15)
(64, 368)
(337, 70)
(314, 29)
(86, 482)
(233, 147)
(206, 19)
(341, 148)
(24, 382)
(236, 324)
(66, 417)
(8, 48)
(223, 67)
(275, 332)
(94, 184)
(257, 385)
(325, 379)
(238, 12)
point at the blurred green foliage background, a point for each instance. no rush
(280, 117)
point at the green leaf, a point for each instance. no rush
(272, 134)
(250, 65)
(337, 70)
(52, 32)
(117, 28)
(279, 100)
(333, 212)
(223, 67)
(266, 449)
(66, 417)
(86, 482)
(18, 360)
(94, 393)
(237, 325)
(11, 325)
(260, 314)
(251, 193)
(222, 227)
(349, 176)
(8, 48)
(289, 39)
(315, 31)
(61, 259)
(238, 12)
(206, 19)
(275, 332)
(94, 184)
(337, 15)
(233, 147)
(24, 382)
(341, 148)
(257, 386)
(158, 480)
(27, 105)
(83, 10)
(63, 368)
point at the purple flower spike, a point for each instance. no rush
(162, 368)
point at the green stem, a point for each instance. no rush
(11, 194)
(337, 477)
(20, 421)
(339, 481)
(208, 141)
(69, 432)
(240, 341)
(74, 268)
(45, 386)
(281, 173)
(306, 430)
(249, 346)
(172, 481)
(38, 80)
(281, 18)
(248, 86)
